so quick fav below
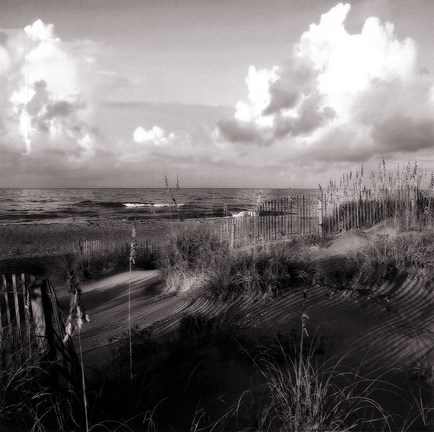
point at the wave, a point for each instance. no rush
(134, 205)
(244, 213)
(119, 204)
(158, 205)
(109, 204)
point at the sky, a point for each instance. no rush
(222, 93)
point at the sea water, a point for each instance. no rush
(68, 205)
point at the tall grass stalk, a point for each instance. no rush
(83, 382)
(173, 196)
(132, 261)
(306, 395)
(33, 394)
(377, 196)
(75, 321)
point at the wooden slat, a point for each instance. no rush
(286, 217)
(290, 215)
(357, 213)
(26, 302)
(303, 212)
(274, 220)
(38, 317)
(267, 221)
(298, 215)
(309, 213)
(5, 292)
(301, 208)
(17, 307)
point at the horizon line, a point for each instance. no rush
(162, 188)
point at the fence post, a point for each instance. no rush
(320, 213)
(38, 315)
(17, 307)
(8, 311)
(232, 234)
(47, 311)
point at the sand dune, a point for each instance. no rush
(393, 328)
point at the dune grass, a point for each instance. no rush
(188, 256)
(36, 395)
(412, 253)
(304, 394)
(389, 256)
(195, 258)
(259, 273)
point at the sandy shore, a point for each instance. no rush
(47, 250)
(39, 240)
(42, 240)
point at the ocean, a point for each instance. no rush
(80, 205)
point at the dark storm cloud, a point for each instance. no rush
(242, 132)
(60, 108)
(402, 133)
(310, 116)
(40, 98)
(279, 99)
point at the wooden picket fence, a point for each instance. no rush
(329, 213)
(31, 323)
(286, 217)
(99, 250)
(356, 210)
(273, 220)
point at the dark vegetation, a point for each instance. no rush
(217, 373)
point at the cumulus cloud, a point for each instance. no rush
(365, 89)
(156, 136)
(42, 107)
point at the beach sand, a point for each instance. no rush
(48, 250)
(39, 240)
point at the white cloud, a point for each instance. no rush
(156, 136)
(363, 86)
(43, 108)
(258, 82)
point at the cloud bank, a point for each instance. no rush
(340, 96)
(43, 116)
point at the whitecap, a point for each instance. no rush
(158, 205)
